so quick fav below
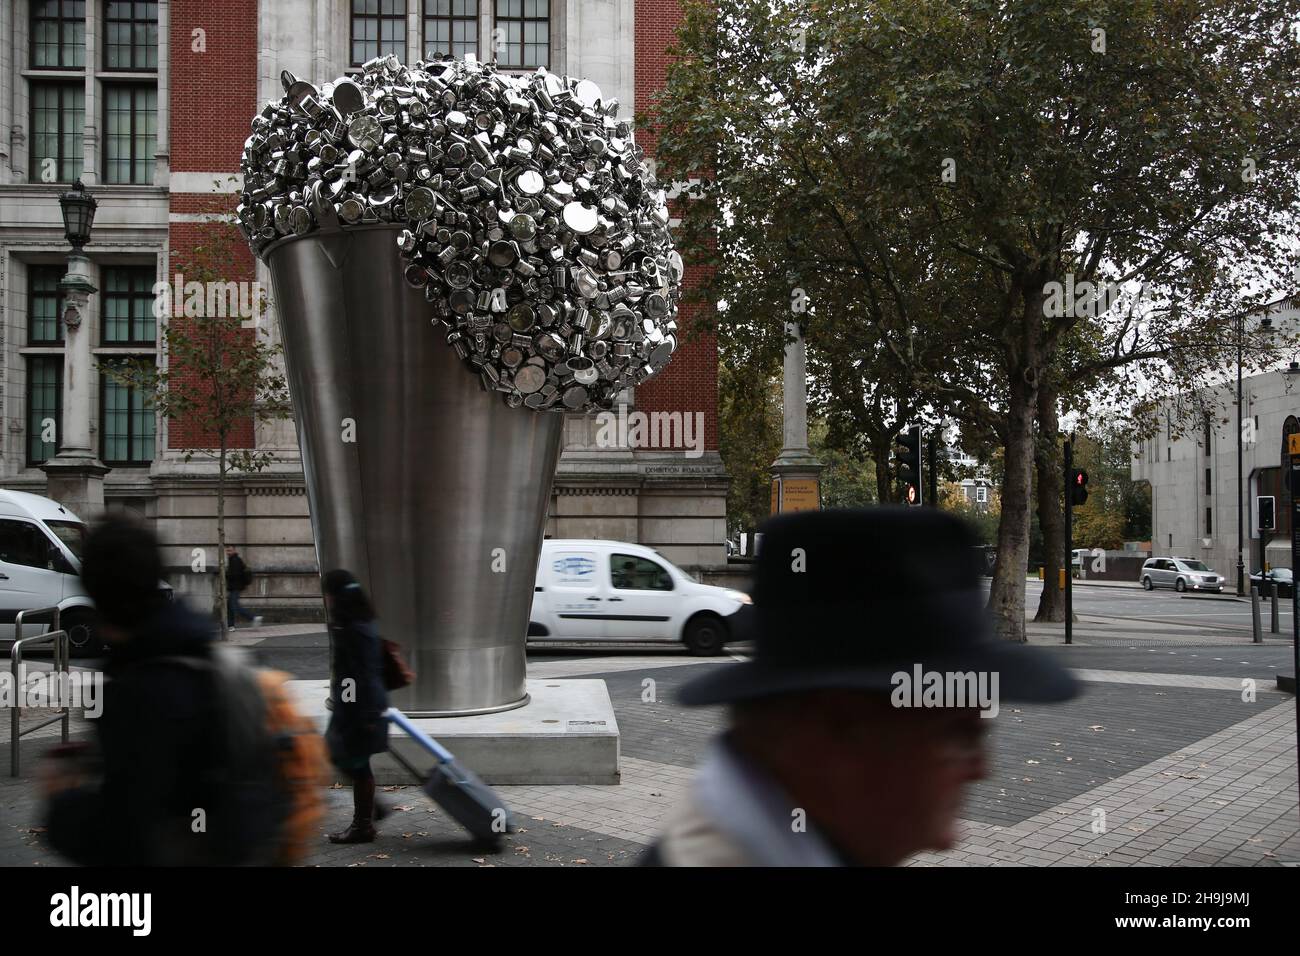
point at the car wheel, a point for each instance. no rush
(1147, 585)
(704, 635)
(83, 638)
(1180, 585)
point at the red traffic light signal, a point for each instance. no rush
(1078, 487)
(907, 461)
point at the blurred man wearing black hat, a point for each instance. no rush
(859, 721)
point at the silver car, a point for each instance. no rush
(1181, 574)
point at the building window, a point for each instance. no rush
(58, 118)
(44, 407)
(1208, 490)
(130, 36)
(378, 29)
(130, 133)
(44, 305)
(127, 435)
(1207, 436)
(522, 38)
(58, 34)
(1209, 521)
(981, 494)
(450, 26)
(128, 306)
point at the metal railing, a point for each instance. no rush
(61, 651)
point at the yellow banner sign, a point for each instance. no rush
(1293, 444)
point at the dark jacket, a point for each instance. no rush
(357, 728)
(160, 738)
(235, 571)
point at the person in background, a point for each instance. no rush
(357, 728)
(238, 578)
(824, 762)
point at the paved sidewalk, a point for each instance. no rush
(1178, 753)
(1228, 799)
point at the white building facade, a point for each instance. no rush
(1193, 475)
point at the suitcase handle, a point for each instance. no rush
(418, 735)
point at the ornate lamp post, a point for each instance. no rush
(75, 476)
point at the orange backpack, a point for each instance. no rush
(278, 762)
(301, 767)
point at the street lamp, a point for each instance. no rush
(78, 215)
(75, 476)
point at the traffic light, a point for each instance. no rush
(1078, 486)
(1267, 511)
(907, 462)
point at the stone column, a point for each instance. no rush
(795, 473)
(75, 476)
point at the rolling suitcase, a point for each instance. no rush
(455, 788)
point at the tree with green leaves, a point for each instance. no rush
(749, 440)
(985, 182)
(217, 378)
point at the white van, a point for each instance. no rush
(617, 591)
(40, 565)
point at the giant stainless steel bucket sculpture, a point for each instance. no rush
(431, 491)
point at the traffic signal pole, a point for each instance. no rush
(1068, 497)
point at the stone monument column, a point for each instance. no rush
(796, 473)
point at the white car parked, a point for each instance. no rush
(618, 591)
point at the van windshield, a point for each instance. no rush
(1195, 566)
(679, 570)
(71, 533)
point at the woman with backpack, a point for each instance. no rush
(357, 728)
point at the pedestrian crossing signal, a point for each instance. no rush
(1078, 487)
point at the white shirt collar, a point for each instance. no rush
(750, 807)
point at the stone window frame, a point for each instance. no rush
(54, 359)
(133, 19)
(452, 18)
(134, 271)
(523, 19)
(93, 76)
(379, 18)
(135, 112)
(65, 22)
(147, 412)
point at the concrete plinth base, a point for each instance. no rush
(565, 734)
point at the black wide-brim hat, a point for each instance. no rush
(847, 599)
